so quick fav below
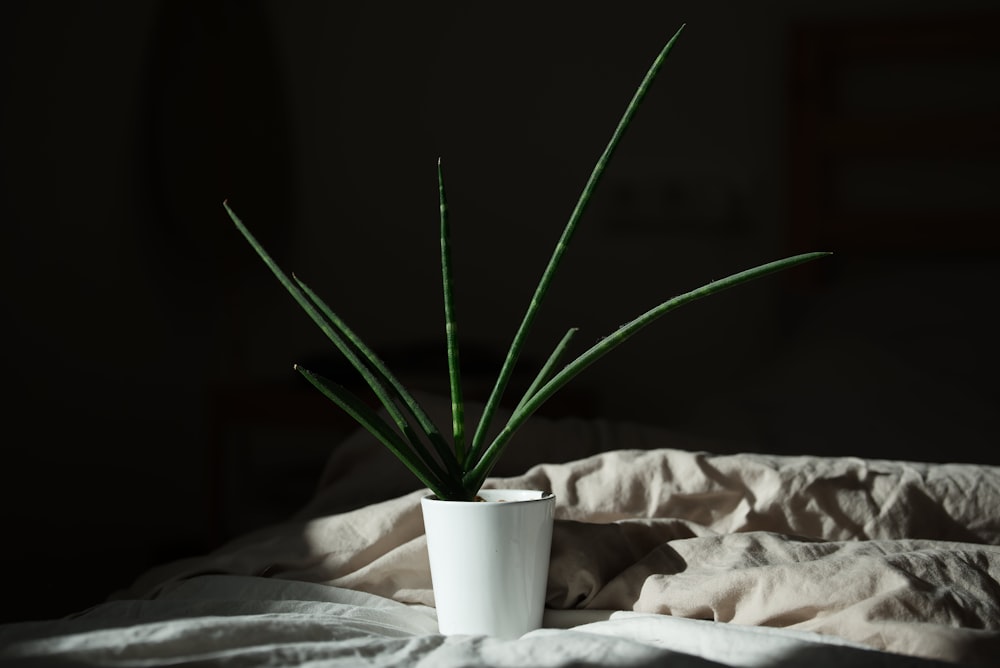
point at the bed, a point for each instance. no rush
(663, 554)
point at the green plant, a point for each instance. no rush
(457, 470)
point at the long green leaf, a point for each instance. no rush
(451, 328)
(479, 439)
(546, 371)
(474, 479)
(331, 330)
(378, 427)
(379, 370)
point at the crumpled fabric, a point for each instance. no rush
(898, 556)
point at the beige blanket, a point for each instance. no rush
(903, 557)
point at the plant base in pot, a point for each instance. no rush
(490, 560)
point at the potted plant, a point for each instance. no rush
(454, 467)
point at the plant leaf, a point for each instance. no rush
(379, 428)
(451, 328)
(316, 309)
(514, 351)
(376, 369)
(546, 371)
(478, 474)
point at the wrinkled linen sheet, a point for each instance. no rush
(895, 556)
(226, 620)
(658, 546)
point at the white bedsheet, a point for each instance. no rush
(228, 620)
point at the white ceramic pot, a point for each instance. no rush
(490, 561)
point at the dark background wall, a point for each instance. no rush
(151, 410)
